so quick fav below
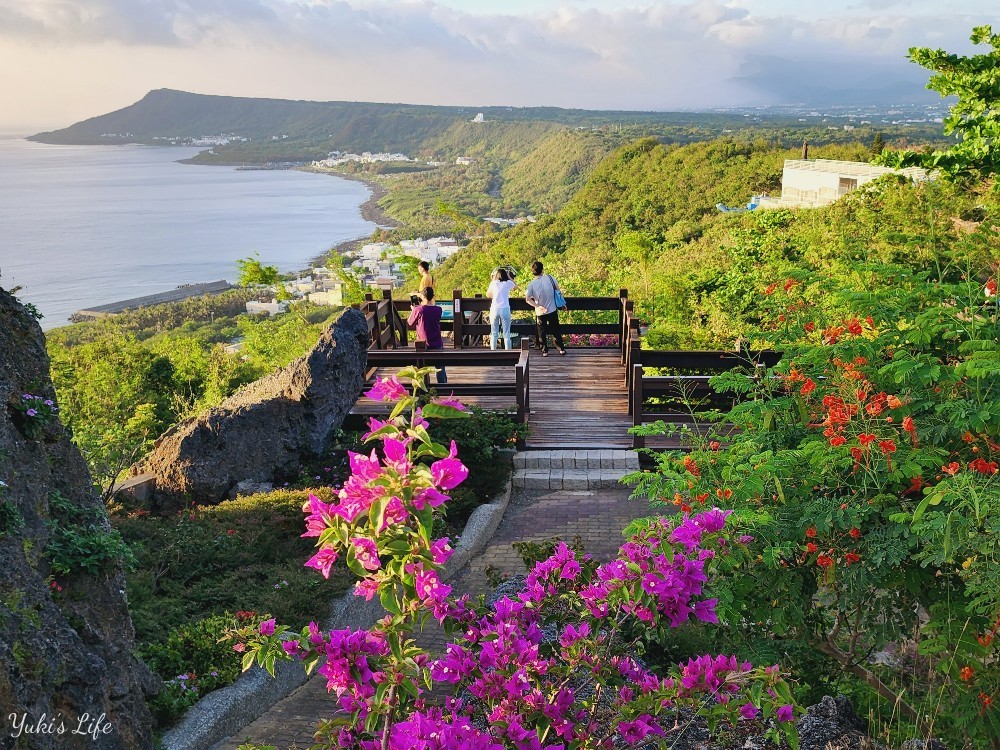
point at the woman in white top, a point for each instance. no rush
(499, 293)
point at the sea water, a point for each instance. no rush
(82, 226)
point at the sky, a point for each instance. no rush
(66, 60)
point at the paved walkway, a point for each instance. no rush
(597, 516)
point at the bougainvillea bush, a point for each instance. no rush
(866, 467)
(551, 667)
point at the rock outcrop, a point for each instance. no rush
(67, 675)
(832, 724)
(262, 432)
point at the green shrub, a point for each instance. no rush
(196, 567)
(232, 556)
(193, 660)
(481, 440)
(80, 540)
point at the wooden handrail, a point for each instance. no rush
(683, 387)
(451, 358)
(447, 357)
(386, 329)
(469, 329)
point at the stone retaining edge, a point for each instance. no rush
(224, 712)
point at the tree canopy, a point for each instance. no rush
(975, 117)
(252, 272)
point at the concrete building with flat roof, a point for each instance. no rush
(807, 183)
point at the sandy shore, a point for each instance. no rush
(370, 211)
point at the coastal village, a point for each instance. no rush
(375, 265)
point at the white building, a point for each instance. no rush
(809, 183)
(373, 251)
(271, 308)
(434, 250)
(465, 160)
(333, 297)
(337, 157)
(479, 118)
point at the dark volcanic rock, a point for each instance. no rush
(832, 724)
(261, 432)
(65, 657)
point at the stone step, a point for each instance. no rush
(580, 460)
(569, 479)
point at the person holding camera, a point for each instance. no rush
(426, 318)
(499, 294)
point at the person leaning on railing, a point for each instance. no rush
(426, 318)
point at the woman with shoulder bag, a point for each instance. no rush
(541, 294)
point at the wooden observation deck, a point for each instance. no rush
(587, 399)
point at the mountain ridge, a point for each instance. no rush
(165, 114)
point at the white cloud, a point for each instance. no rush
(652, 56)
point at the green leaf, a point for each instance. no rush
(388, 429)
(409, 688)
(388, 600)
(442, 411)
(933, 499)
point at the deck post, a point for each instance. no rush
(400, 324)
(633, 356)
(371, 308)
(390, 315)
(622, 297)
(623, 337)
(459, 316)
(521, 386)
(635, 403)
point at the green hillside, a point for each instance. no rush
(646, 220)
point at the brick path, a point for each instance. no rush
(596, 516)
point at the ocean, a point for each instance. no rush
(88, 225)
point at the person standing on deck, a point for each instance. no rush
(541, 294)
(426, 317)
(426, 280)
(499, 294)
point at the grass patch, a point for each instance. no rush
(198, 570)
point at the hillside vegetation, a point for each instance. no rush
(166, 113)
(646, 220)
(526, 160)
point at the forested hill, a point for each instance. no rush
(646, 219)
(358, 126)
(165, 113)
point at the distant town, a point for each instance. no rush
(376, 265)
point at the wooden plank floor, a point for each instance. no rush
(578, 401)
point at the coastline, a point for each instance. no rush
(370, 211)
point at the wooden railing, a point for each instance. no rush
(386, 329)
(679, 397)
(518, 389)
(470, 327)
